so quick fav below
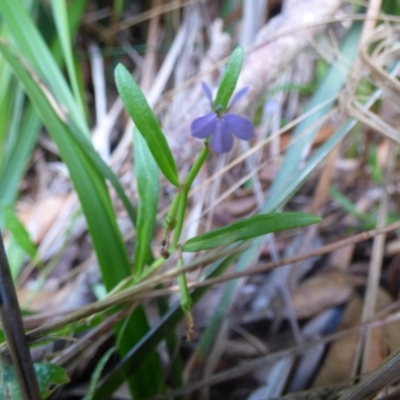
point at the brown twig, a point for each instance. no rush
(136, 292)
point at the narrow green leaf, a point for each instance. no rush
(229, 79)
(249, 228)
(21, 138)
(60, 14)
(134, 359)
(97, 373)
(321, 102)
(30, 42)
(15, 226)
(142, 115)
(89, 184)
(146, 173)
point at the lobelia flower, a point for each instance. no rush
(221, 126)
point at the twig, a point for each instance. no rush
(313, 253)
(136, 292)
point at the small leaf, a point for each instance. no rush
(142, 115)
(97, 373)
(48, 376)
(146, 173)
(229, 79)
(249, 228)
(17, 228)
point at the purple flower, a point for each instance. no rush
(221, 126)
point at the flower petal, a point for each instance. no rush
(204, 126)
(221, 140)
(239, 95)
(239, 126)
(207, 92)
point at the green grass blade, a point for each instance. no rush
(33, 47)
(20, 143)
(147, 379)
(81, 141)
(249, 228)
(146, 173)
(90, 186)
(143, 117)
(59, 8)
(168, 321)
(95, 200)
(5, 98)
(350, 208)
(23, 128)
(97, 372)
(306, 130)
(11, 222)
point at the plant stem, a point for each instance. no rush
(180, 217)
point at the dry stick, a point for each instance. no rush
(383, 376)
(268, 359)
(375, 266)
(135, 292)
(313, 253)
(14, 331)
(364, 341)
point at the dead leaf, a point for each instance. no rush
(240, 206)
(327, 289)
(342, 257)
(338, 362)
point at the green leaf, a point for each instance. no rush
(32, 45)
(146, 173)
(142, 115)
(89, 184)
(229, 79)
(321, 102)
(134, 359)
(47, 374)
(97, 373)
(249, 228)
(15, 226)
(60, 14)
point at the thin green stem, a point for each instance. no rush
(180, 217)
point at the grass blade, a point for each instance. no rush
(9, 218)
(59, 8)
(306, 130)
(95, 200)
(168, 321)
(35, 50)
(146, 173)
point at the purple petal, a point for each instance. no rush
(221, 140)
(204, 126)
(239, 126)
(239, 95)
(207, 92)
